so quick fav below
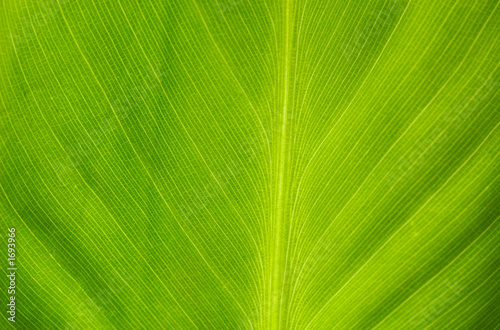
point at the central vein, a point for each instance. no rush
(279, 223)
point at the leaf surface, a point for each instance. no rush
(236, 164)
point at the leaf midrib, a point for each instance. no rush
(277, 261)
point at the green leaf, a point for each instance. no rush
(237, 164)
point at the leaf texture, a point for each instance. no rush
(237, 164)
